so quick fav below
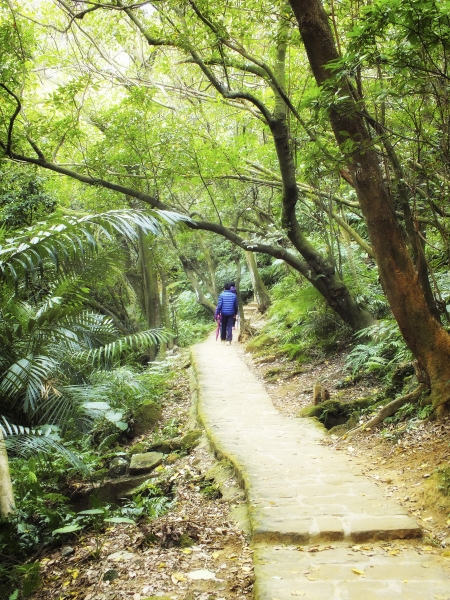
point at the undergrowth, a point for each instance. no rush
(300, 326)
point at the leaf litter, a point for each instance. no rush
(217, 566)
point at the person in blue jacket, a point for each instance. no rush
(228, 308)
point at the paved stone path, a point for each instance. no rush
(300, 491)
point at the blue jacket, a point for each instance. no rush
(228, 303)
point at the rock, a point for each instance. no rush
(138, 448)
(166, 446)
(110, 575)
(143, 463)
(339, 430)
(118, 467)
(110, 491)
(201, 574)
(146, 416)
(121, 555)
(334, 412)
(191, 439)
(67, 551)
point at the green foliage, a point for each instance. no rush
(194, 322)
(443, 474)
(23, 199)
(382, 349)
(299, 323)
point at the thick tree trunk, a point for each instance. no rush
(150, 291)
(425, 336)
(322, 273)
(6, 492)
(259, 289)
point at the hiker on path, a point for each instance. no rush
(228, 308)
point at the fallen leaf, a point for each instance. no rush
(188, 551)
(216, 554)
(358, 572)
(201, 574)
(177, 577)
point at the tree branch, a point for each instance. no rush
(8, 146)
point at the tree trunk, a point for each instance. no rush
(165, 314)
(150, 292)
(242, 321)
(322, 273)
(201, 298)
(259, 289)
(210, 281)
(424, 335)
(6, 492)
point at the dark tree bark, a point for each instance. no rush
(424, 335)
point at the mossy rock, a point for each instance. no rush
(139, 448)
(100, 474)
(273, 374)
(339, 430)
(260, 342)
(191, 439)
(333, 412)
(146, 417)
(172, 458)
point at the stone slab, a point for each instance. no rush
(146, 462)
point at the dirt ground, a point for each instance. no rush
(401, 458)
(217, 566)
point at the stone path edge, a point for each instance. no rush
(216, 447)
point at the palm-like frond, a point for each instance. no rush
(25, 379)
(70, 238)
(26, 441)
(135, 341)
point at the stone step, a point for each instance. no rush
(372, 572)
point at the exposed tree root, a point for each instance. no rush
(387, 411)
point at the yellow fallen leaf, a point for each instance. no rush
(75, 574)
(394, 552)
(446, 553)
(66, 583)
(358, 572)
(177, 577)
(161, 565)
(216, 554)
(311, 578)
(187, 551)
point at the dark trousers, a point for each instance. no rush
(226, 328)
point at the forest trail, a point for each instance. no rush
(319, 528)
